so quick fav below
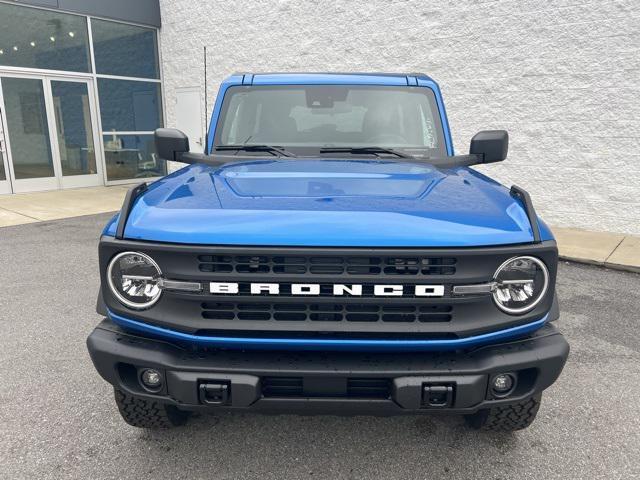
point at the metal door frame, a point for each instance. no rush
(57, 181)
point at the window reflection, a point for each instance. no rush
(34, 38)
(129, 106)
(124, 50)
(132, 156)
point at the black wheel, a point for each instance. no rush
(506, 418)
(143, 413)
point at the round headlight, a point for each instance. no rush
(134, 278)
(520, 284)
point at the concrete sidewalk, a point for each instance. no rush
(614, 250)
(599, 248)
(54, 205)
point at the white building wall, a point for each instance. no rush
(563, 77)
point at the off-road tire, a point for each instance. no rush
(143, 413)
(506, 418)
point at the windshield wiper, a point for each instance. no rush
(364, 151)
(256, 148)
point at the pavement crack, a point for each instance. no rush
(614, 250)
(20, 213)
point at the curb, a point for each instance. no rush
(603, 249)
(593, 263)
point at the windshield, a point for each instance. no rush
(321, 116)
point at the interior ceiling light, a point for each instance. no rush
(15, 48)
(72, 34)
(53, 39)
(33, 44)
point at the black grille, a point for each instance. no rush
(346, 312)
(326, 312)
(354, 388)
(327, 265)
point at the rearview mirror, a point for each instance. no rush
(171, 143)
(490, 145)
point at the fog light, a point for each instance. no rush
(151, 378)
(502, 384)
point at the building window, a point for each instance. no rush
(129, 106)
(125, 50)
(31, 38)
(130, 110)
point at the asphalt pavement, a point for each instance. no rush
(58, 418)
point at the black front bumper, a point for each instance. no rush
(329, 383)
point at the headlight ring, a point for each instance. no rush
(134, 278)
(520, 284)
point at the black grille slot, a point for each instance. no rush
(368, 387)
(216, 263)
(327, 312)
(282, 386)
(328, 265)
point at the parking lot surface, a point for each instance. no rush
(58, 418)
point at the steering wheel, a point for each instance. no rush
(386, 138)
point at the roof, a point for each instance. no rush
(371, 78)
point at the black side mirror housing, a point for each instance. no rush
(490, 145)
(171, 143)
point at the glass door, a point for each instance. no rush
(50, 133)
(27, 126)
(76, 143)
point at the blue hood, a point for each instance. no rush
(336, 203)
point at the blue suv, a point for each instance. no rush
(328, 253)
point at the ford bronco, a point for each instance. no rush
(328, 253)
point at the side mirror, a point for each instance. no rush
(171, 143)
(490, 145)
